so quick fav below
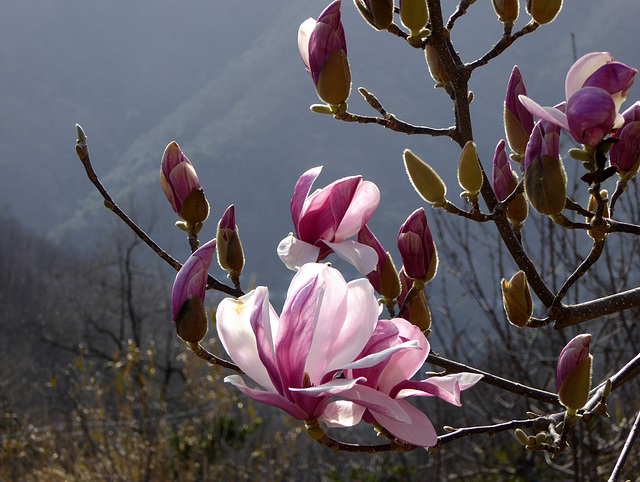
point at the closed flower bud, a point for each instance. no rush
(543, 11)
(180, 185)
(518, 121)
(187, 295)
(507, 10)
(230, 253)
(436, 69)
(389, 280)
(323, 49)
(414, 15)
(424, 179)
(574, 373)
(517, 300)
(377, 13)
(505, 181)
(417, 249)
(419, 312)
(469, 171)
(545, 180)
(191, 321)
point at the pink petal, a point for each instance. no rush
(405, 364)
(418, 431)
(344, 338)
(300, 193)
(295, 253)
(268, 398)
(235, 330)
(342, 413)
(549, 114)
(304, 32)
(363, 257)
(359, 210)
(582, 69)
(377, 402)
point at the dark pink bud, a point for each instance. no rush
(416, 246)
(178, 178)
(502, 172)
(518, 119)
(366, 237)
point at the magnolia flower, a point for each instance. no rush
(187, 295)
(325, 219)
(391, 378)
(180, 185)
(297, 357)
(574, 373)
(323, 49)
(417, 249)
(595, 88)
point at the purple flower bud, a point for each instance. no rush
(574, 372)
(626, 152)
(518, 121)
(178, 178)
(323, 49)
(230, 252)
(191, 280)
(417, 249)
(591, 114)
(502, 172)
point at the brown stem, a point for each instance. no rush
(200, 352)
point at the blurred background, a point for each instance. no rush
(86, 327)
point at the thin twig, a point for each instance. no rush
(82, 150)
(626, 450)
(490, 379)
(201, 352)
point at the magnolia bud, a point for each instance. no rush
(195, 208)
(419, 313)
(230, 253)
(599, 232)
(436, 69)
(377, 13)
(516, 298)
(191, 321)
(469, 171)
(545, 183)
(574, 373)
(334, 82)
(507, 10)
(518, 208)
(424, 179)
(389, 279)
(543, 11)
(414, 15)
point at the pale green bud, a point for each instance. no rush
(516, 298)
(424, 179)
(574, 391)
(414, 15)
(543, 11)
(469, 171)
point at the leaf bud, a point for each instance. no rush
(469, 171)
(507, 10)
(543, 11)
(517, 300)
(424, 179)
(436, 69)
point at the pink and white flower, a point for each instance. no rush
(325, 219)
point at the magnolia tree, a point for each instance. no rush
(343, 353)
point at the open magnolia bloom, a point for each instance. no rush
(325, 219)
(595, 88)
(391, 379)
(324, 326)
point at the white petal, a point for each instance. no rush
(295, 253)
